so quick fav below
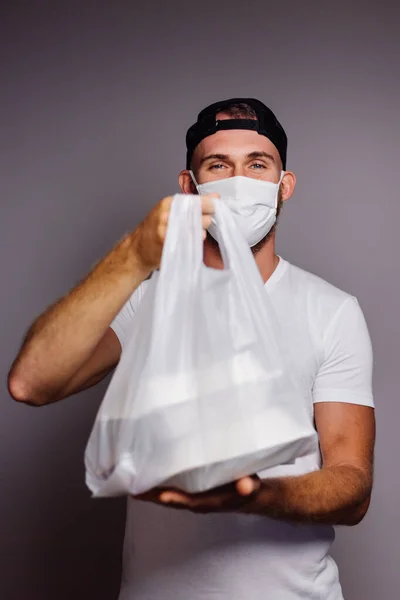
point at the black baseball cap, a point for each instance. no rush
(207, 124)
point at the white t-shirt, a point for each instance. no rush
(171, 554)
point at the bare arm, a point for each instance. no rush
(70, 338)
(339, 493)
(70, 346)
(101, 362)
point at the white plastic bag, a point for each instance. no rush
(202, 394)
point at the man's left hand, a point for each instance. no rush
(233, 497)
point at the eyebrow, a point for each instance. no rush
(255, 154)
(260, 154)
(214, 156)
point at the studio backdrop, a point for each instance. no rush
(95, 101)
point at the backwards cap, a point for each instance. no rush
(207, 124)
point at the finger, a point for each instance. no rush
(164, 217)
(173, 497)
(207, 204)
(166, 202)
(247, 486)
(153, 494)
(207, 220)
(161, 232)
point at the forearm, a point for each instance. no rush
(65, 335)
(338, 495)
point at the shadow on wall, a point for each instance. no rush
(66, 544)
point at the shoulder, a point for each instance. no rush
(314, 299)
(314, 291)
(312, 285)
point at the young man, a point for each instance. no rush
(266, 536)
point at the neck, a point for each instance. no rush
(265, 257)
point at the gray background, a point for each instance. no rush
(95, 102)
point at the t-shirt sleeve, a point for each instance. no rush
(122, 321)
(345, 374)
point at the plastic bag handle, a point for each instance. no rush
(183, 258)
(184, 239)
(183, 246)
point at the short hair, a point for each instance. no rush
(240, 110)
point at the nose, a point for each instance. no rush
(237, 170)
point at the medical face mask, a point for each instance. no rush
(253, 203)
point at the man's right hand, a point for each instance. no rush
(71, 346)
(150, 234)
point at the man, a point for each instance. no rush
(266, 536)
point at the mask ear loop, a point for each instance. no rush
(194, 180)
(283, 173)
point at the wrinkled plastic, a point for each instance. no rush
(204, 392)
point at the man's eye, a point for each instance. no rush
(217, 166)
(258, 166)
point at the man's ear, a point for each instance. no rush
(186, 182)
(287, 185)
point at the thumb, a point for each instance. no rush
(248, 485)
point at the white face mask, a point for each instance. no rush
(253, 203)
